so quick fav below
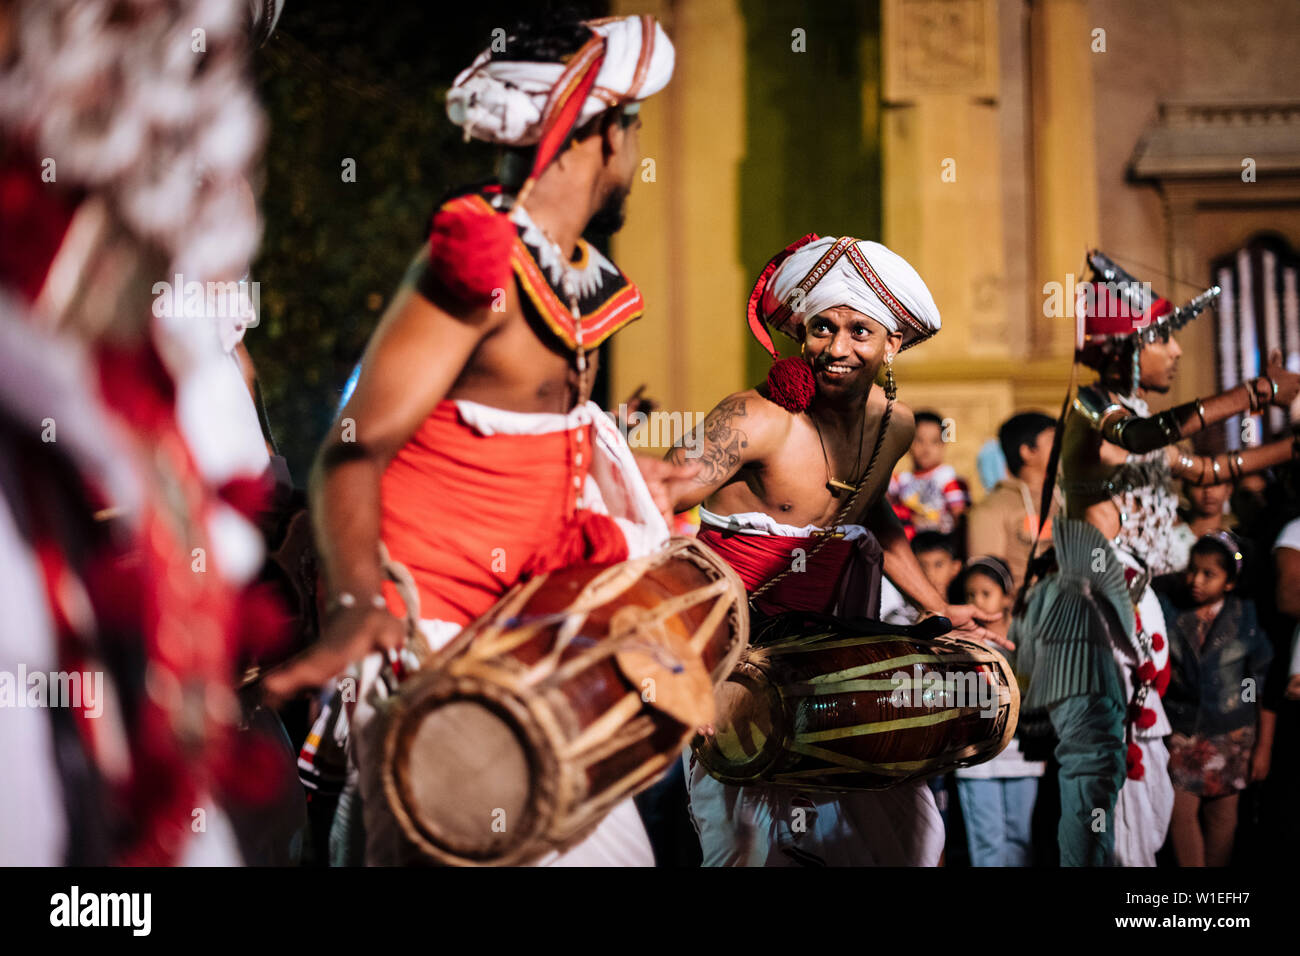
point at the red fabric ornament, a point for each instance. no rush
(1134, 762)
(755, 304)
(265, 624)
(1147, 672)
(248, 495)
(790, 384)
(1157, 642)
(250, 769)
(1162, 679)
(469, 252)
(36, 217)
(562, 114)
(1147, 718)
(1111, 315)
(137, 386)
(591, 538)
(115, 585)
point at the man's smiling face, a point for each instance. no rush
(845, 349)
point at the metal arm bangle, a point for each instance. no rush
(1200, 413)
(1167, 423)
(1214, 463)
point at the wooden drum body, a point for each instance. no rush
(834, 705)
(575, 692)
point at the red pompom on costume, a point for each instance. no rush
(790, 384)
(1134, 762)
(469, 251)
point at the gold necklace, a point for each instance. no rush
(833, 484)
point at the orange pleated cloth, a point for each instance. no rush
(470, 515)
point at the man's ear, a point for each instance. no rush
(611, 134)
(894, 344)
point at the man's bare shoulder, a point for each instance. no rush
(763, 417)
(902, 423)
(747, 423)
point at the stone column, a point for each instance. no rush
(681, 241)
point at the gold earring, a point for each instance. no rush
(803, 348)
(891, 387)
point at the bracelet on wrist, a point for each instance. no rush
(1234, 467)
(346, 599)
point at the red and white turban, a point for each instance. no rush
(515, 102)
(815, 274)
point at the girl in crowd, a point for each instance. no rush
(1221, 736)
(997, 797)
(1207, 510)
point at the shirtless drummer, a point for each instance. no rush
(781, 462)
(474, 438)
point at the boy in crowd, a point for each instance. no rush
(937, 554)
(1006, 522)
(930, 497)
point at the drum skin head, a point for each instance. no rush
(746, 743)
(462, 773)
(475, 774)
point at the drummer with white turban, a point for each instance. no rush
(478, 459)
(810, 451)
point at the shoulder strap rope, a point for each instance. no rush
(827, 534)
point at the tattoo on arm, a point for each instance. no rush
(724, 443)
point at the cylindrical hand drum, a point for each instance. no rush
(827, 704)
(575, 692)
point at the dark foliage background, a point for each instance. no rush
(344, 80)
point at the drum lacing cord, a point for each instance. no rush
(404, 581)
(827, 534)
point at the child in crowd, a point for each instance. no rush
(997, 797)
(937, 554)
(930, 497)
(1218, 657)
(1207, 510)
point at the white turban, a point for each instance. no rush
(504, 101)
(818, 274)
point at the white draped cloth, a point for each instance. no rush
(865, 276)
(505, 101)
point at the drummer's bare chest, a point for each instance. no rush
(514, 368)
(795, 483)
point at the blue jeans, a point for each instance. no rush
(997, 812)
